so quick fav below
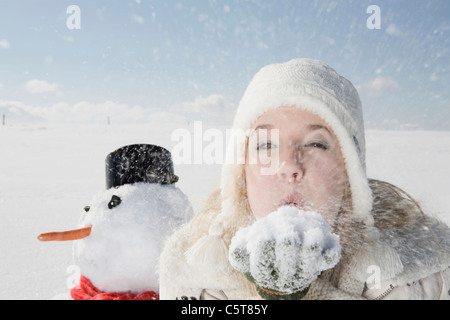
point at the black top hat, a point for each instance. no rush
(139, 163)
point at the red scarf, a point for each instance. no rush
(87, 291)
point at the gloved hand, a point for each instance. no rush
(284, 252)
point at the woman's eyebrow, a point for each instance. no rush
(263, 126)
(314, 127)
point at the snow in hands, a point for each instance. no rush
(286, 250)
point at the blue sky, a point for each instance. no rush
(146, 61)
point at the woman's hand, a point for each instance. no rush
(284, 252)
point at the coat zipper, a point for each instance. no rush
(385, 293)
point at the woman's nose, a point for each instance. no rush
(291, 168)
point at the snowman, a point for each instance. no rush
(121, 233)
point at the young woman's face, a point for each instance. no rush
(293, 158)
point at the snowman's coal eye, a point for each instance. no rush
(114, 202)
(87, 208)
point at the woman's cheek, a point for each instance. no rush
(262, 193)
(324, 181)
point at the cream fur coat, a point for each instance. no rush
(410, 259)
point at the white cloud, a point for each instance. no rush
(4, 44)
(138, 19)
(167, 118)
(48, 60)
(393, 30)
(117, 112)
(213, 107)
(379, 85)
(394, 124)
(67, 38)
(80, 112)
(40, 86)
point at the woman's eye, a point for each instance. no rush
(265, 145)
(319, 145)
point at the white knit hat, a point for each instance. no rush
(312, 86)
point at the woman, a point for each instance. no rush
(305, 147)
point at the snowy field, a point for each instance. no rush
(49, 173)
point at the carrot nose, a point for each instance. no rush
(66, 235)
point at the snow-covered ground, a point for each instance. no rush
(49, 173)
